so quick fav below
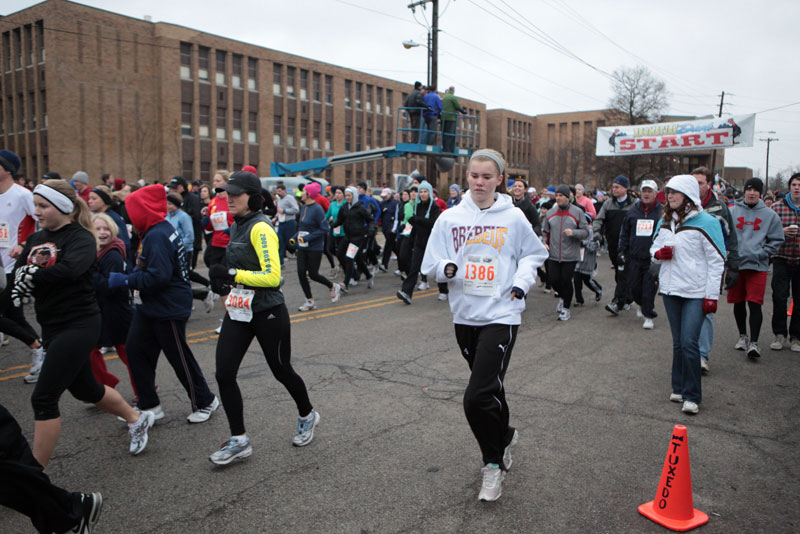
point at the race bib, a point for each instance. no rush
(352, 251)
(406, 230)
(644, 227)
(240, 304)
(480, 276)
(5, 234)
(219, 220)
(301, 239)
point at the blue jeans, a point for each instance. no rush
(431, 129)
(685, 321)
(707, 336)
(286, 231)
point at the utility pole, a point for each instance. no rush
(766, 177)
(431, 172)
(714, 153)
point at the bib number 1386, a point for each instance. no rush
(480, 276)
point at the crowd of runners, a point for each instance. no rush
(112, 267)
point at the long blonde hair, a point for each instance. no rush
(80, 213)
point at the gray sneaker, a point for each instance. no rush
(307, 306)
(752, 351)
(138, 432)
(507, 460)
(492, 484)
(232, 450)
(37, 360)
(612, 308)
(305, 429)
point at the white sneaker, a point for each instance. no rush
(675, 397)
(398, 272)
(742, 343)
(336, 292)
(442, 296)
(37, 360)
(158, 413)
(371, 282)
(639, 313)
(648, 324)
(778, 343)
(423, 286)
(233, 449)
(795, 345)
(690, 407)
(560, 305)
(626, 307)
(752, 351)
(353, 283)
(3, 339)
(507, 461)
(564, 315)
(305, 429)
(307, 306)
(203, 414)
(704, 368)
(138, 432)
(492, 485)
(219, 328)
(208, 302)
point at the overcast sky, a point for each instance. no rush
(505, 52)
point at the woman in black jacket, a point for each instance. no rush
(358, 224)
(425, 213)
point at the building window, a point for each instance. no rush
(221, 134)
(252, 73)
(328, 135)
(290, 79)
(202, 63)
(303, 133)
(348, 133)
(329, 89)
(40, 39)
(252, 127)
(389, 103)
(378, 99)
(369, 98)
(222, 59)
(236, 77)
(358, 138)
(290, 131)
(203, 116)
(359, 87)
(277, 71)
(7, 50)
(316, 86)
(237, 125)
(348, 93)
(276, 130)
(303, 84)
(186, 119)
(186, 61)
(315, 136)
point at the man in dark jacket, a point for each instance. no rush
(159, 322)
(712, 205)
(191, 205)
(608, 223)
(522, 201)
(635, 238)
(358, 225)
(389, 213)
(415, 99)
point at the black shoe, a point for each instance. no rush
(612, 308)
(598, 296)
(402, 295)
(92, 505)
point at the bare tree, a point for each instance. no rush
(638, 96)
(141, 145)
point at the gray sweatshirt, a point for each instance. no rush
(289, 205)
(759, 233)
(562, 246)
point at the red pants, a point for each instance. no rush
(101, 372)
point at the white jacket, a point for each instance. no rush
(499, 236)
(695, 270)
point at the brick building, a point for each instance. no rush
(87, 89)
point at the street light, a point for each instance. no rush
(408, 45)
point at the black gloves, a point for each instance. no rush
(220, 278)
(730, 278)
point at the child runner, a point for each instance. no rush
(255, 308)
(486, 250)
(55, 267)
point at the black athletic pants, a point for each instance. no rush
(581, 279)
(68, 366)
(487, 350)
(26, 489)
(308, 262)
(560, 275)
(350, 264)
(413, 273)
(328, 249)
(12, 319)
(388, 248)
(272, 328)
(642, 286)
(147, 337)
(622, 295)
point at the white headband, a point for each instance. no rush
(58, 199)
(491, 156)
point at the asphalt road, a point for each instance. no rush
(394, 454)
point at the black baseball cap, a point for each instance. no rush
(241, 182)
(178, 180)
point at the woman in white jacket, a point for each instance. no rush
(487, 253)
(691, 250)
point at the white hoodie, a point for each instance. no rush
(499, 237)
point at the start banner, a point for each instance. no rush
(702, 134)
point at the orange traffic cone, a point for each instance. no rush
(673, 506)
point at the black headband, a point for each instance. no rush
(102, 194)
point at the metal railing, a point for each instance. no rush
(412, 128)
